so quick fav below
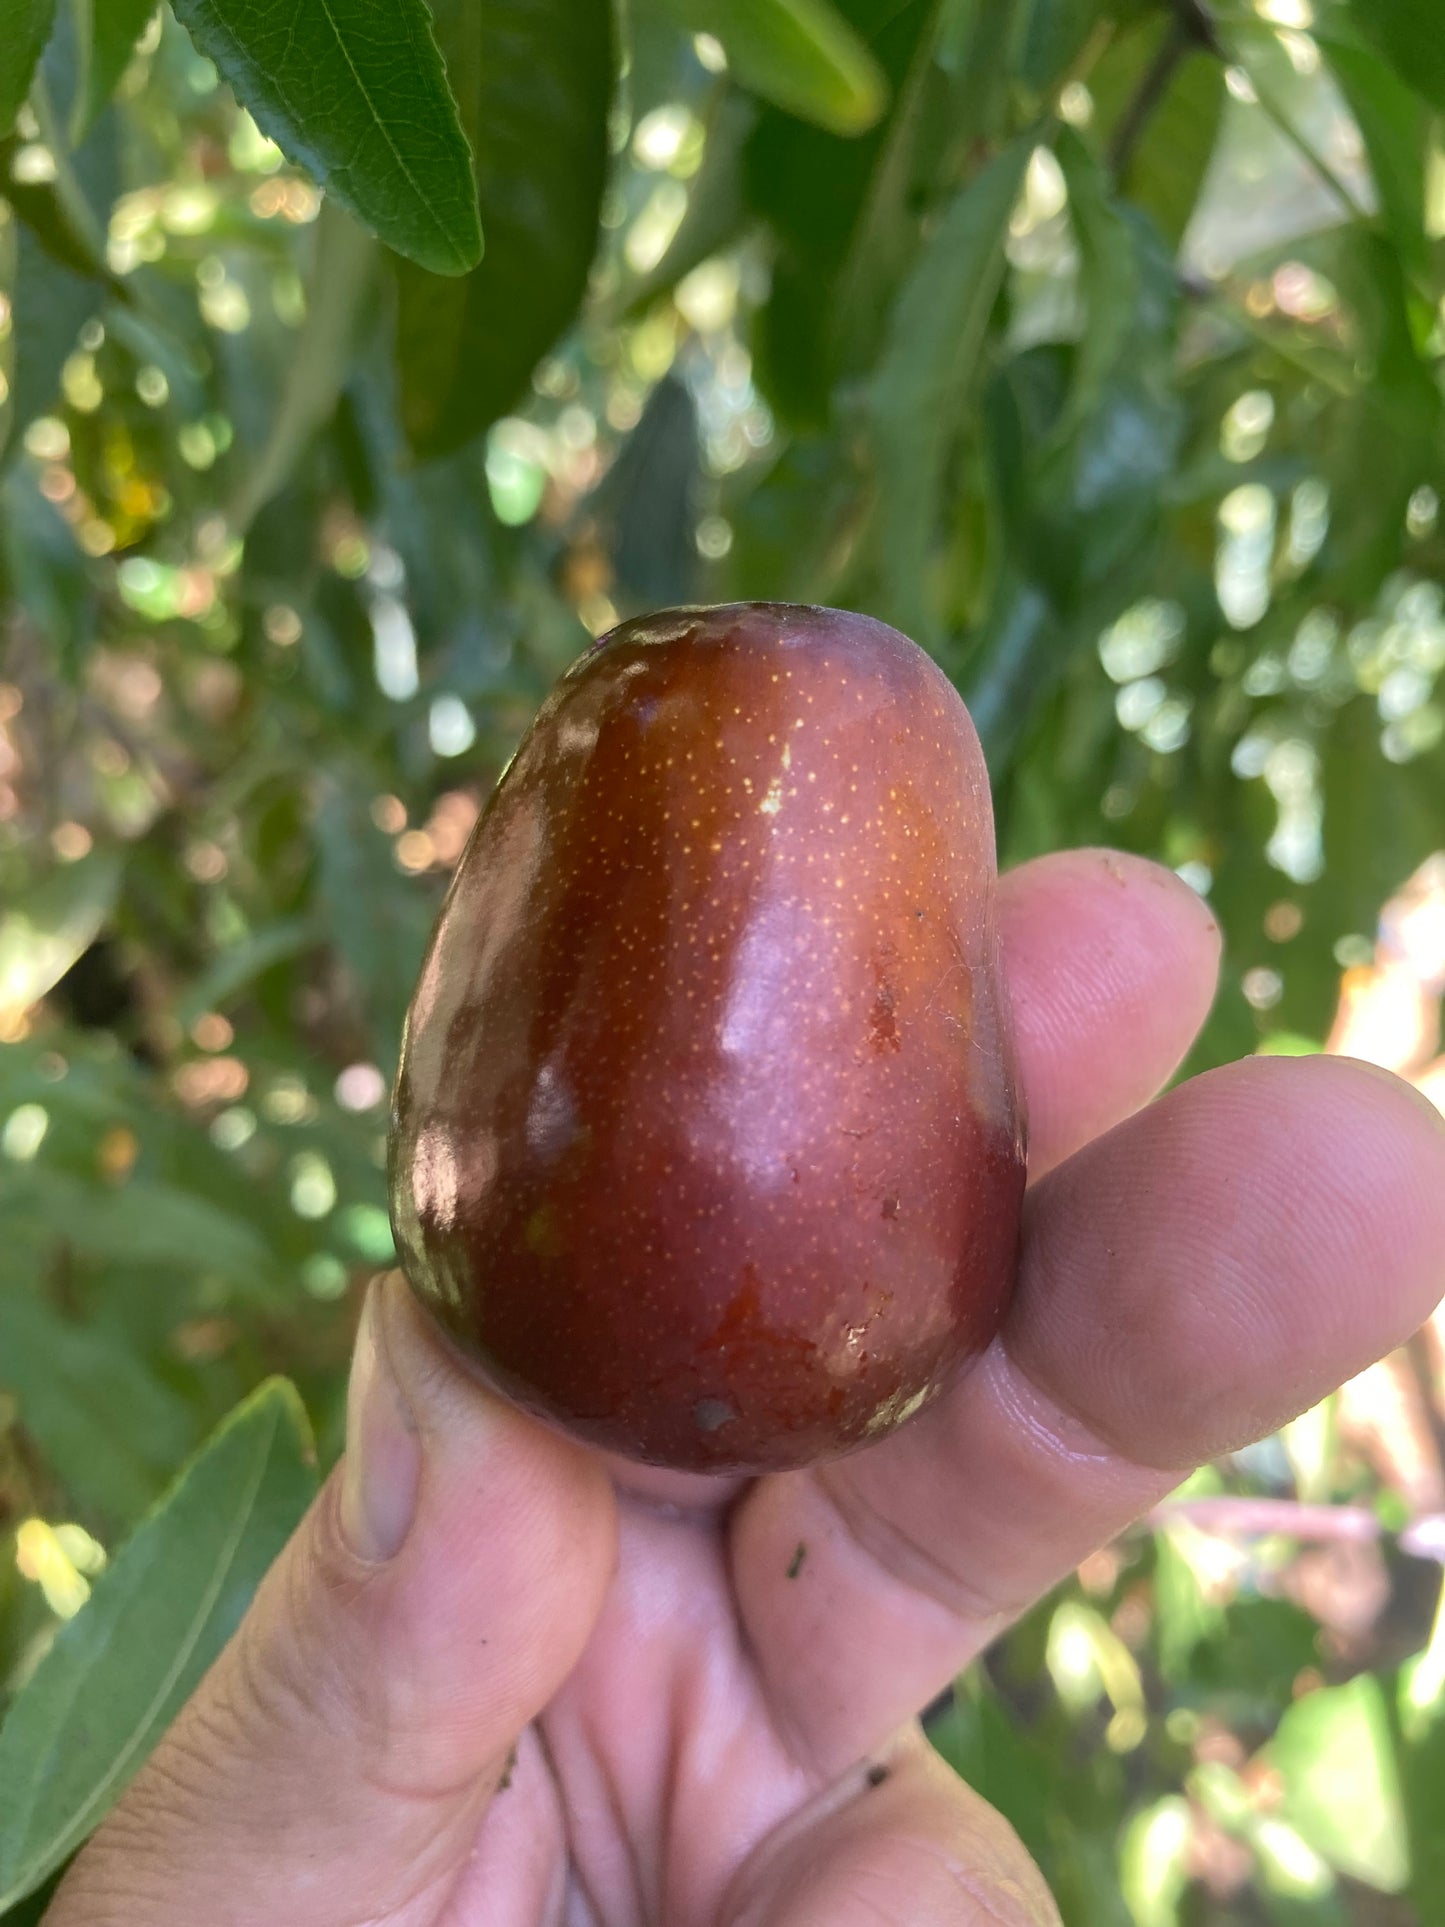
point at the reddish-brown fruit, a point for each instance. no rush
(706, 1143)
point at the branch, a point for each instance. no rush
(1423, 1538)
(1191, 29)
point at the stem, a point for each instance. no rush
(1191, 30)
(1423, 1538)
(1158, 78)
(1100, 39)
(1266, 1518)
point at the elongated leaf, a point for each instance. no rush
(354, 91)
(51, 306)
(1341, 1782)
(646, 504)
(120, 1671)
(886, 232)
(1408, 34)
(68, 213)
(110, 1429)
(1109, 276)
(43, 933)
(61, 275)
(375, 917)
(716, 214)
(48, 221)
(111, 28)
(1050, 35)
(237, 968)
(1167, 166)
(845, 214)
(141, 1222)
(534, 81)
(799, 54)
(341, 271)
(1016, 652)
(1394, 125)
(24, 29)
(930, 361)
(43, 567)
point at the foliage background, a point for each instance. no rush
(1097, 343)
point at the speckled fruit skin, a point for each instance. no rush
(706, 1143)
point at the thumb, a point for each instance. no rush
(334, 1764)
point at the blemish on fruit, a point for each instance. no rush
(795, 1564)
(882, 1018)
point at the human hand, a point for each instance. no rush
(495, 1681)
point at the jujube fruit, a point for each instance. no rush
(705, 1142)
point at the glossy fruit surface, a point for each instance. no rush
(705, 1141)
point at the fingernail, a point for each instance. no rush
(381, 1472)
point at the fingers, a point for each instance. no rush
(1194, 1279)
(1270, 1232)
(335, 1763)
(903, 1842)
(1111, 964)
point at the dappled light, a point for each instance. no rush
(1099, 347)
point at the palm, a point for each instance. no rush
(667, 1770)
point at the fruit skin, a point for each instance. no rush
(705, 1141)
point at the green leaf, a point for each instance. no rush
(375, 917)
(799, 54)
(68, 213)
(110, 29)
(24, 30)
(51, 305)
(1407, 32)
(1394, 125)
(354, 91)
(109, 1428)
(43, 933)
(47, 573)
(320, 361)
(59, 222)
(141, 1222)
(1333, 1751)
(846, 216)
(120, 1671)
(1017, 651)
(715, 214)
(1168, 165)
(1109, 277)
(1419, 1727)
(1050, 36)
(1154, 1861)
(238, 967)
(534, 82)
(886, 233)
(928, 371)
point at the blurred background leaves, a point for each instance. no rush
(1096, 342)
